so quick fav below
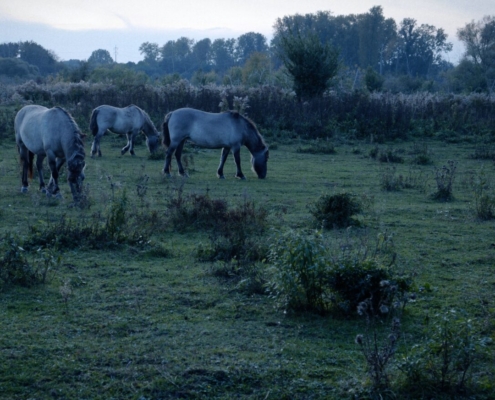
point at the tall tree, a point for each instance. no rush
(201, 54)
(375, 35)
(248, 44)
(100, 57)
(310, 62)
(9, 50)
(176, 55)
(222, 54)
(151, 52)
(479, 39)
(419, 47)
(36, 55)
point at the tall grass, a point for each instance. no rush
(377, 116)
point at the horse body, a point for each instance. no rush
(129, 120)
(228, 131)
(50, 133)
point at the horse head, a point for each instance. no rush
(76, 176)
(153, 143)
(259, 162)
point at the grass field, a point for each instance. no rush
(133, 324)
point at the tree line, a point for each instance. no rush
(357, 50)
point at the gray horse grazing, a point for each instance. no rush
(227, 130)
(51, 133)
(129, 120)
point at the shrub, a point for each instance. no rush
(306, 277)
(337, 210)
(443, 361)
(118, 226)
(234, 233)
(390, 181)
(484, 201)
(391, 156)
(421, 154)
(300, 266)
(444, 177)
(17, 270)
(317, 147)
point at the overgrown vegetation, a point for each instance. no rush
(336, 210)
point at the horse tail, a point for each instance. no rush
(30, 164)
(166, 132)
(93, 125)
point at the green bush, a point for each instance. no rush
(337, 210)
(443, 362)
(306, 277)
(300, 268)
(17, 270)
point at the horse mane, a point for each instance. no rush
(78, 144)
(147, 118)
(260, 143)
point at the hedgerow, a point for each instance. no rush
(363, 115)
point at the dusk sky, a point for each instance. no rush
(74, 29)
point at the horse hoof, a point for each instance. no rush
(221, 176)
(24, 189)
(242, 178)
(43, 190)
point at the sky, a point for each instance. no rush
(73, 29)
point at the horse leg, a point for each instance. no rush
(128, 146)
(131, 148)
(24, 155)
(178, 156)
(223, 158)
(53, 188)
(168, 160)
(237, 159)
(39, 167)
(95, 147)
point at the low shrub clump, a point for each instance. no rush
(335, 211)
(15, 268)
(444, 178)
(118, 226)
(307, 277)
(442, 363)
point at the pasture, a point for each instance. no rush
(127, 322)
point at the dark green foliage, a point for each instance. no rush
(444, 177)
(391, 156)
(442, 363)
(373, 80)
(317, 147)
(117, 227)
(310, 62)
(390, 181)
(484, 200)
(307, 277)
(15, 268)
(235, 233)
(335, 211)
(300, 269)
(354, 281)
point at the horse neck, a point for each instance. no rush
(149, 128)
(254, 142)
(73, 147)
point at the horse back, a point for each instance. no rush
(209, 130)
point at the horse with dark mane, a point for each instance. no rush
(129, 120)
(54, 134)
(227, 130)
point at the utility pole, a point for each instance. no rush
(115, 54)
